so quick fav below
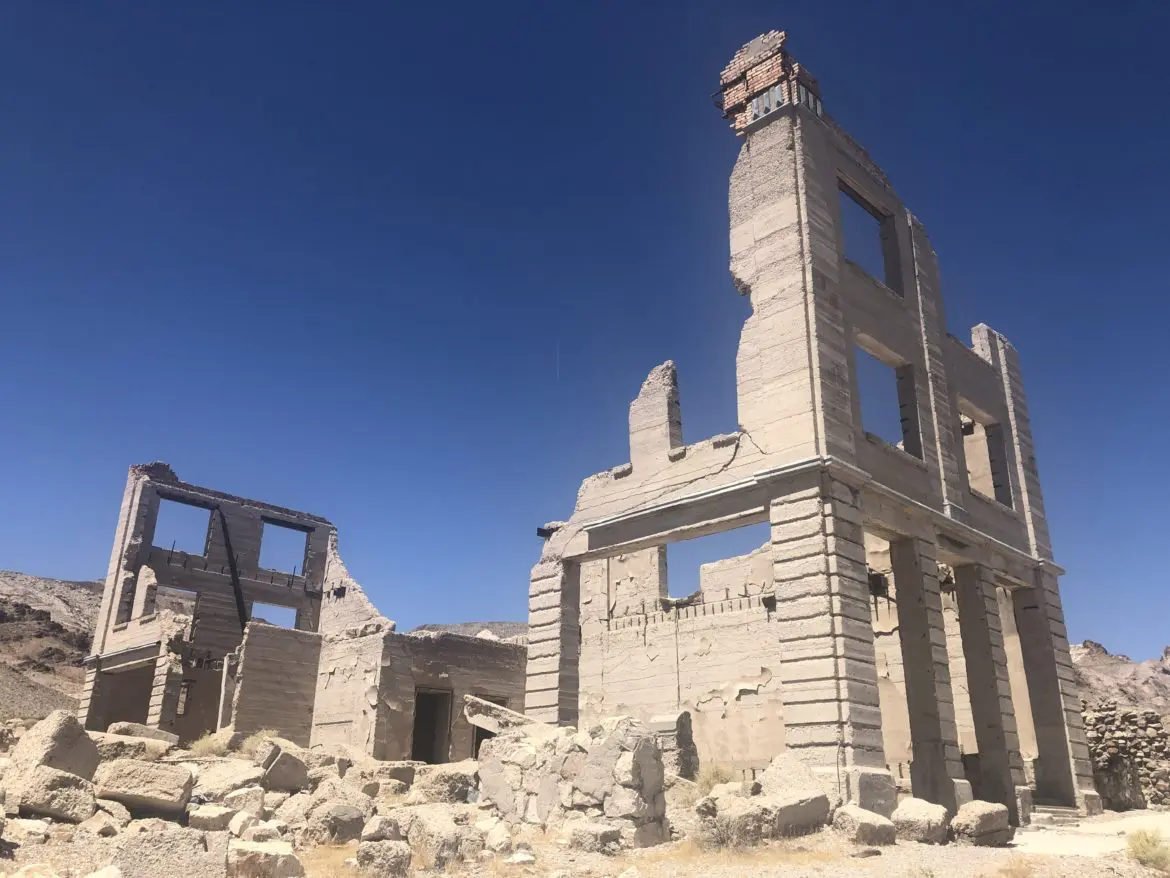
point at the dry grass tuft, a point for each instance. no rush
(1147, 847)
(251, 744)
(328, 861)
(710, 776)
(1016, 867)
(209, 745)
(701, 860)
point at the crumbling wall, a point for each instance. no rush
(747, 575)
(717, 661)
(276, 682)
(1131, 756)
(347, 706)
(344, 603)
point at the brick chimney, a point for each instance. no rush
(761, 78)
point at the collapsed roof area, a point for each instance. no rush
(209, 656)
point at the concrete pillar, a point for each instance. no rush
(1021, 701)
(832, 717)
(554, 642)
(936, 769)
(989, 687)
(163, 711)
(91, 703)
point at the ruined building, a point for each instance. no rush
(171, 648)
(901, 630)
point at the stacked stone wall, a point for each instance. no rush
(1130, 750)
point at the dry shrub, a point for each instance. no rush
(328, 861)
(710, 776)
(1016, 867)
(700, 859)
(1147, 847)
(209, 745)
(251, 744)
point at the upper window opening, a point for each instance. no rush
(889, 401)
(985, 450)
(281, 617)
(182, 527)
(724, 565)
(283, 548)
(869, 238)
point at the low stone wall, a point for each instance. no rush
(1130, 750)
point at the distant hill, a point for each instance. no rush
(1107, 677)
(502, 630)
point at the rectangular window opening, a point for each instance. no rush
(182, 527)
(283, 548)
(888, 402)
(281, 617)
(870, 238)
(731, 564)
(985, 449)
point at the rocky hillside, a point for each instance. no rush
(1117, 678)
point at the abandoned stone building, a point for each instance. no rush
(900, 629)
(176, 646)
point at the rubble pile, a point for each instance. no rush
(1130, 750)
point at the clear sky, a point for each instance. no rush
(404, 265)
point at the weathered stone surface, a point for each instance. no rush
(173, 852)
(240, 822)
(381, 828)
(250, 799)
(787, 774)
(100, 825)
(450, 782)
(117, 810)
(145, 786)
(982, 823)
(384, 858)
(265, 830)
(269, 859)
(216, 780)
(333, 823)
(340, 791)
(862, 826)
(441, 833)
(58, 741)
(50, 792)
(138, 730)
(373, 770)
(739, 821)
(107, 872)
(214, 818)
(593, 837)
(921, 821)
(286, 772)
(111, 746)
(295, 810)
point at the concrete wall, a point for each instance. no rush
(347, 706)
(276, 682)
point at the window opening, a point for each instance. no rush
(724, 565)
(273, 614)
(889, 401)
(182, 527)
(870, 238)
(283, 548)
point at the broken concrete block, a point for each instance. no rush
(269, 859)
(100, 825)
(111, 746)
(982, 823)
(334, 823)
(863, 827)
(441, 833)
(787, 774)
(210, 818)
(286, 772)
(171, 852)
(921, 821)
(274, 799)
(241, 821)
(50, 792)
(381, 828)
(250, 799)
(138, 730)
(497, 838)
(58, 741)
(265, 830)
(145, 786)
(384, 858)
(27, 830)
(593, 837)
(117, 810)
(295, 810)
(449, 782)
(216, 780)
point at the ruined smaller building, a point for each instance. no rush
(177, 646)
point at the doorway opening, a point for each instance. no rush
(432, 726)
(481, 734)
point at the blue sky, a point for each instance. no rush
(405, 265)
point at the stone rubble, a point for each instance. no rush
(1130, 750)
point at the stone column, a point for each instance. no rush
(989, 686)
(936, 772)
(91, 708)
(554, 642)
(829, 683)
(164, 693)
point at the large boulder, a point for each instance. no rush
(450, 782)
(593, 837)
(210, 818)
(138, 730)
(267, 859)
(50, 792)
(58, 741)
(742, 821)
(921, 821)
(787, 774)
(100, 825)
(333, 823)
(170, 852)
(384, 858)
(986, 824)
(381, 828)
(334, 790)
(216, 780)
(111, 746)
(250, 799)
(441, 834)
(150, 787)
(863, 827)
(295, 809)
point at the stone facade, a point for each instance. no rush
(342, 676)
(835, 632)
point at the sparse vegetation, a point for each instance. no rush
(209, 745)
(1148, 848)
(1016, 867)
(328, 861)
(251, 744)
(711, 776)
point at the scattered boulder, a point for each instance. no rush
(982, 823)
(50, 792)
(863, 827)
(334, 823)
(787, 774)
(145, 786)
(340, 791)
(27, 830)
(596, 838)
(295, 809)
(739, 821)
(268, 859)
(440, 833)
(100, 825)
(381, 828)
(250, 799)
(173, 851)
(111, 746)
(240, 822)
(220, 778)
(210, 818)
(138, 730)
(384, 858)
(921, 821)
(448, 782)
(116, 810)
(266, 830)
(284, 765)
(59, 742)
(273, 800)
